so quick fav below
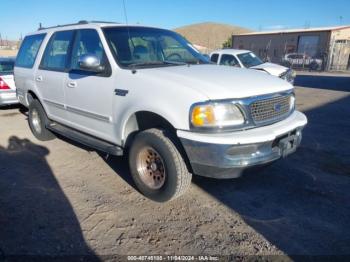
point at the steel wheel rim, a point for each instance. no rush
(151, 168)
(36, 122)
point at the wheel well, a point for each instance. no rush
(147, 120)
(31, 96)
(144, 120)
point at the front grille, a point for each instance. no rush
(272, 109)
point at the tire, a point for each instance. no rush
(164, 158)
(38, 120)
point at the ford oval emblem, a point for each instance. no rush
(277, 107)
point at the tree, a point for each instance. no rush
(227, 43)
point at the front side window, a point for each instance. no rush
(29, 50)
(150, 47)
(87, 43)
(56, 53)
(229, 60)
(250, 59)
(6, 67)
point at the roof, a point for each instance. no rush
(300, 30)
(82, 22)
(83, 25)
(231, 51)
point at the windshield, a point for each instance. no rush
(6, 67)
(250, 59)
(150, 47)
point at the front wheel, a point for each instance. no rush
(157, 167)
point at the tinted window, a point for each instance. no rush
(149, 47)
(87, 43)
(29, 50)
(6, 67)
(229, 60)
(57, 51)
(214, 58)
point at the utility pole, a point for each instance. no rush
(307, 24)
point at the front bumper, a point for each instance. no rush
(8, 97)
(227, 155)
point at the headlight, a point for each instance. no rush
(292, 103)
(293, 73)
(289, 75)
(211, 115)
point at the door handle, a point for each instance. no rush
(72, 84)
(39, 78)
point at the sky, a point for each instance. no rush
(23, 16)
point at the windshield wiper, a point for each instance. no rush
(156, 63)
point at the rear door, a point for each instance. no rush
(26, 60)
(52, 72)
(89, 96)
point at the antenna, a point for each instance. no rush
(127, 26)
(125, 14)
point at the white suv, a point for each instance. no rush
(149, 93)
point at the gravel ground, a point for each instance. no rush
(60, 198)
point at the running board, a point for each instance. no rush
(85, 139)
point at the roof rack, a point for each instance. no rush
(81, 22)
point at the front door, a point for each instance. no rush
(89, 96)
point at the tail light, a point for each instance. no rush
(3, 85)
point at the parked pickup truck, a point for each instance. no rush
(247, 59)
(148, 93)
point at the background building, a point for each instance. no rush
(326, 48)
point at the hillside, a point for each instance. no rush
(210, 35)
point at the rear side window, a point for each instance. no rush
(6, 67)
(214, 58)
(57, 51)
(29, 50)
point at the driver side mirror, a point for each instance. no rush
(90, 63)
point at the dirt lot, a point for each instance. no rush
(8, 52)
(59, 198)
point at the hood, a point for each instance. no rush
(272, 69)
(217, 82)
